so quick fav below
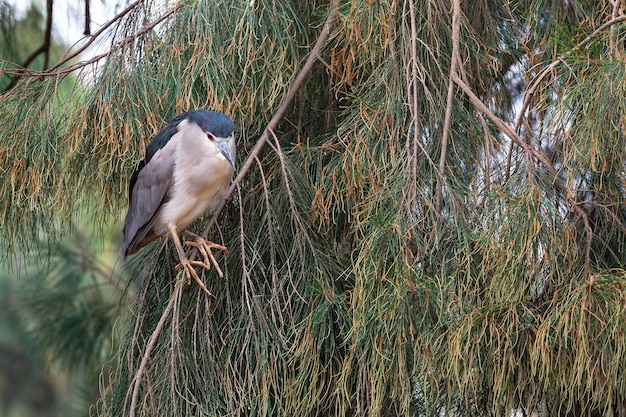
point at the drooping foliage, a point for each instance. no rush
(435, 226)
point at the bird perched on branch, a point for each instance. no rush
(187, 169)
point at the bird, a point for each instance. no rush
(186, 171)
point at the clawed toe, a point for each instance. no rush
(187, 266)
(204, 247)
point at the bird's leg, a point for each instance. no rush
(185, 263)
(204, 247)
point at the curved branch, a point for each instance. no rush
(97, 58)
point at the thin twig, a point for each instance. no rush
(245, 277)
(175, 350)
(412, 84)
(280, 112)
(119, 45)
(138, 319)
(283, 165)
(414, 73)
(270, 231)
(488, 148)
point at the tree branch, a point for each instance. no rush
(94, 37)
(87, 31)
(456, 35)
(613, 35)
(43, 49)
(136, 382)
(412, 83)
(54, 70)
(280, 112)
(534, 84)
(47, 42)
(540, 156)
(412, 76)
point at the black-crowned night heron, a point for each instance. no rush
(187, 169)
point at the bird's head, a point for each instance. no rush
(218, 128)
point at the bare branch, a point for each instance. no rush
(97, 58)
(48, 35)
(412, 83)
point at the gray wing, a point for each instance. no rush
(148, 193)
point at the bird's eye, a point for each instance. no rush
(209, 136)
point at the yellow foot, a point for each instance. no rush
(187, 266)
(204, 247)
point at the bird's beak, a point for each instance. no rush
(225, 149)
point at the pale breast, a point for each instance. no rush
(201, 176)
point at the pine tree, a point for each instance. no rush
(427, 218)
